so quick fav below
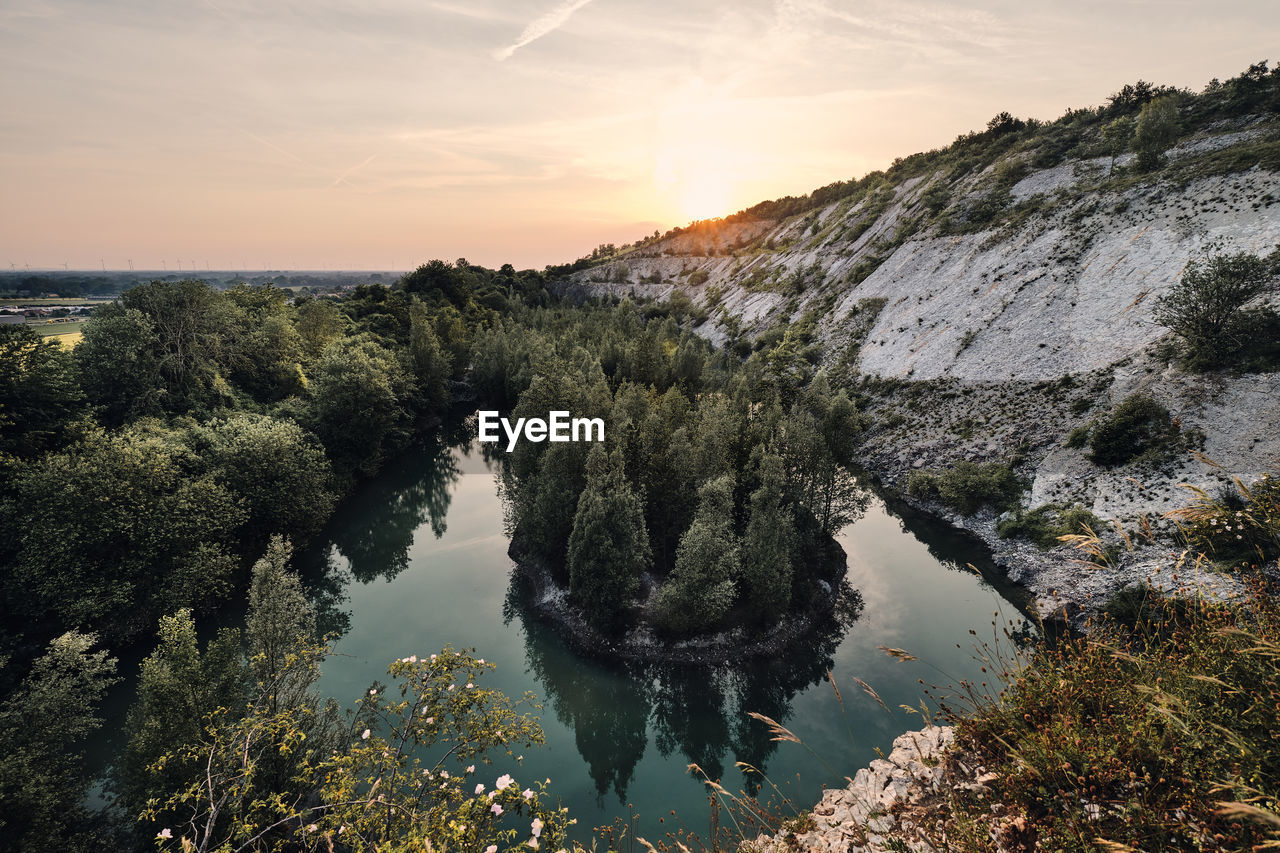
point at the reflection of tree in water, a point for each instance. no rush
(374, 528)
(699, 711)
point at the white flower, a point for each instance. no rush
(470, 686)
(536, 827)
(444, 774)
(453, 686)
(165, 833)
(433, 657)
(413, 658)
(373, 692)
(481, 660)
(495, 808)
(492, 848)
(471, 768)
(365, 735)
(480, 788)
(503, 781)
(527, 794)
(430, 720)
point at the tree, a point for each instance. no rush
(276, 467)
(320, 323)
(117, 530)
(356, 403)
(428, 362)
(119, 364)
(178, 689)
(767, 544)
(44, 725)
(609, 546)
(1206, 308)
(701, 588)
(404, 780)
(1117, 133)
(1156, 131)
(39, 396)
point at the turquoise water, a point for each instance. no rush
(417, 559)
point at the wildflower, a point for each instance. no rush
(165, 833)
(452, 686)
(365, 735)
(527, 794)
(444, 774)
(503, 781)
(430, 720)
(492, 848)
(311, 827)
(471, 768)
(480, 788)
(373, 692)
(495, 808)
(433, 657)
(481, 660)
(413, 658)
(470, 686)
(536, 827)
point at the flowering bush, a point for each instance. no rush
(1237, 528)
(407, 781)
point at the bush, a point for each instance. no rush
(968, 486)
(1045, 524)
(1206, 308)
(1235, 528)
(1152, 737)
(1078, 437)
(1138, 426)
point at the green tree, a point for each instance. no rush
(429, 363)
(275, 467)
(609, 546)
(44, 725)
(357, 402)
(405, 780)
(1156, 131)
(767, 544)
(119, 364)
(320, 323)
(702, 586)
(117, 530)
(178, 689)
(1206, 308)
(40, 399)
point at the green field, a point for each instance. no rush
(41, 301)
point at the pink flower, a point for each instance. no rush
(503, 781)
(492, 848)
(527, 794)
(495, 808)
(365, 735)
(536, 827)
(480, 788)
(165, 833)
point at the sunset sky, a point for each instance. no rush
(296, 134)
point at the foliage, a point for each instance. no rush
(609, 546)
(767, 544)
(702, 586)
(405, 776)
(40, 400)
(968, 486)
(1156, 131)
(1234, 529)
(1138, 426)
(1047, 524)
(44, 725)
(1206, 308)
(1149, 737)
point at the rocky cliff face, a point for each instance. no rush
(985, 316)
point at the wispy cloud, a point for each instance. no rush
(547, 23)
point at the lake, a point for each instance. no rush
(417, 558)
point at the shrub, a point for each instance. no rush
(1078, 437)
(1152, 737)
(968, 486)
(1206, 308)
(1235, 529)
(1138, 426)
(699, 277)
(1045, 524)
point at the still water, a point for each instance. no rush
(417, 559)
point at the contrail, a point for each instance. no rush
(541, 26)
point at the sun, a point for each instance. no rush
(696, 179)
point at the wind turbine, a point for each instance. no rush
(131, 265)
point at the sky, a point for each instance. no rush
(378, 134)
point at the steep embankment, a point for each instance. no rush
(985, 301)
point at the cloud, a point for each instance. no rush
(541, 26)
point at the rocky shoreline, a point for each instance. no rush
(642, 644)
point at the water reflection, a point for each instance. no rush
(697, 712)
